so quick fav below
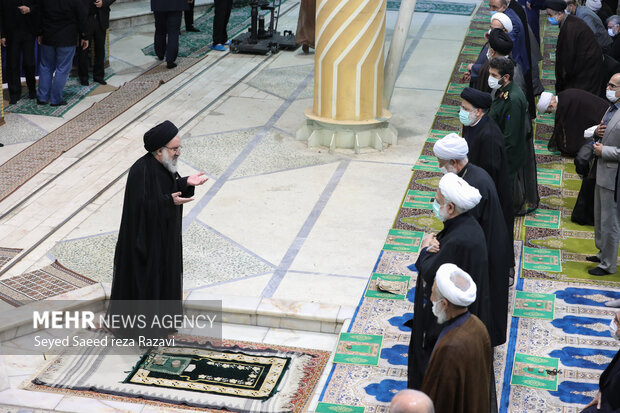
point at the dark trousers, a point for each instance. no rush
(220, 21)
(20, 45)
(96, 38)
(189, 16)
(167, 30)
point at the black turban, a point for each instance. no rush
(557, 5)
(477, 98)
(500, 42)
(159, 135)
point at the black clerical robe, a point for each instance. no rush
(458, 376)
(609, 384)
(578, 58)
(462, 243)
(489, 215)
(148, 262)
(487, 150)
(577, 110)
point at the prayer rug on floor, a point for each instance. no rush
(73, 92)
(191, 43)
(36, 285)
(437, 7)
(194, 374)
(7, 254)
(550, 253)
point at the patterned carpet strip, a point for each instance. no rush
(553, 359)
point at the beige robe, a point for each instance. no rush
(305, 23)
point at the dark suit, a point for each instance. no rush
(20, 31)
(609, 384)
(220, 21)
(168, 16)
(97, 24)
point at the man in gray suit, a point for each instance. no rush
(607, 151)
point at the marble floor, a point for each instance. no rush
(277, 222)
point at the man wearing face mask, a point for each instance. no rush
(578, 56)
(485, 141)
(451, 152)
(458, 375)
(592, 20)
(607, 151)
(607, 399)
(509, 111)
(460, 242)
(475, 70)
(613, 29)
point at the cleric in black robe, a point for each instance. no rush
(148, 261)
(578, 56)
(487, 149)
(575, 111)
(451, 151)
(461, 242)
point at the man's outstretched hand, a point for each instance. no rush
(197, 179)
(179, 200)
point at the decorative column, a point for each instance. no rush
(348, 107)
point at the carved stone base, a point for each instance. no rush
(355, 135)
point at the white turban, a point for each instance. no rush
(451, 146)
(504, 20)
(456, 190)
(594, 5)
(544, 101)
(455, 285)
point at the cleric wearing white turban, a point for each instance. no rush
(451, 146)
(504, 20)
(455, 190)
(462, 242)
(458, 377)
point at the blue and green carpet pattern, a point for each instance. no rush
(551, 275)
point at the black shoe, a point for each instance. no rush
(171, 65)
(13, 100)
(160, 58)
(593, 258)
(598, 271)
(305, 48)
(40, 102)
(100, 81)
(192, 29)
(1, 145)
(84, 82)
(63, 103)
(32, 95)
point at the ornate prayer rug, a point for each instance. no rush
(7, 254)
(40, 284)
(194, 374)
(437, 7)
(558, 338)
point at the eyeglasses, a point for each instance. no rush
(175, 149)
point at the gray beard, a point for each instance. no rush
(169, 163)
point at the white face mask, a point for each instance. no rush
(439, 313)
(611, 32)
(613, 328)
(611, 96)
(493, 83)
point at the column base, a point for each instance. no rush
(334, 134)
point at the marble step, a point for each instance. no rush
(253, 311)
